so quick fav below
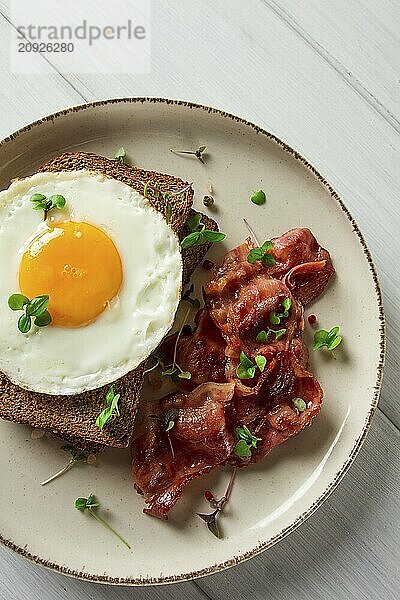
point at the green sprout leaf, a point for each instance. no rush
(246, 441)
(300, 404)
(242, 449)
(245, 373)
(262, 253)
(76, 456)
(111, 411)
(279, 333)
(120, 155)
(264, 335)
(254, 255)
(168, 212)
(212, 236)
(91, 504)
(17, 301)
(24, 323)
(275, 317)
(43, 320)
(211, 522)
(185, 375)
(37, 198)
(261, 361)
(168, 420)
(197, 153)
(258, 198)
(246, 369)
(193, 222)
(193, 239)
(170, 371)
(36, 308)
(57, 201)
(327, 339)
(41, 202)
(199, 234)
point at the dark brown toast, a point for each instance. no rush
(73, 417)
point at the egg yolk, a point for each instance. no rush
(77, 265)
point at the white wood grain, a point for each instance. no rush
(360, 39)
(324, 76)
(20, 580)
(25, 98)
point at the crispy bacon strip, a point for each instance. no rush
(295, 248)
(239, 302)
(200, 441)
(270, 414)
(203, 353)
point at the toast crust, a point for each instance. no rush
(73, 417)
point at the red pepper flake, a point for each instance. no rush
(312, 319)
(208, 265)
(208, 496)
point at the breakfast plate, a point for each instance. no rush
(271, 498)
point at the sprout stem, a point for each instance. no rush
(59, 473)
(107, 526)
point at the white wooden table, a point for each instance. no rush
(323, 75)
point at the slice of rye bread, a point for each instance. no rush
(73, 418)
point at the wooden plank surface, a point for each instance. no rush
(323, 75)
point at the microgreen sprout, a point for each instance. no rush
(327, 339)
(168, 422)
(187, 297)
(246, 441)
(120, 155)
(199, 234)
(300, 404)
(211, 519)
(35, 309)
(246, 369)
(258, 198)
(275, 317)
(197, 153)
(252, 232)
(111, 409)
(41, 202)
(76, 456)
(262, 253)
(173, 370)
(264, 335)
(91, 505)
(168, 212)
(168, 195)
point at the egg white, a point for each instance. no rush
(59, 360)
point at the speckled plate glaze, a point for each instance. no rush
(270, 499)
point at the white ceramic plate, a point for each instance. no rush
(269, 499)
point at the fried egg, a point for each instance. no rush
(112, 269)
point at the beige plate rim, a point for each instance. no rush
(379, 372)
